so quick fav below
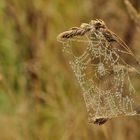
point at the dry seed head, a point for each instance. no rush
(98, 23)
(84, 25)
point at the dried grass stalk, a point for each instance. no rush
(133, 13)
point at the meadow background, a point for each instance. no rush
(40, 98)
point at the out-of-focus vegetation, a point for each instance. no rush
(39, 96)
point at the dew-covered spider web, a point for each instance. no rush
(102, 73)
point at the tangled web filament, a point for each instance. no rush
(101, 72)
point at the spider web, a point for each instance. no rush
(102, 75)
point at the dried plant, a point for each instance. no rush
(101, 71)
(133, 13)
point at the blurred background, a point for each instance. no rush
(40, 98)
